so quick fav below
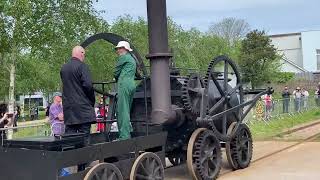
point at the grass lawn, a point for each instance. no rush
(266, 130)
(43, 130)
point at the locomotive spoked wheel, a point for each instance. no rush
(204, 155)
(239, 149)
(177, 159)
(147, 166)
(105, 171)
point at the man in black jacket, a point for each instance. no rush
(78, 94)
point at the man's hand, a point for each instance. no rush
(5, 116)
(60, 116)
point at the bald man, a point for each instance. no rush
(77, 94)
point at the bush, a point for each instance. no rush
(283, 77)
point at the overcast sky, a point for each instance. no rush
(274, 16)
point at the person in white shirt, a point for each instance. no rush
(297, 95)
(305, 95)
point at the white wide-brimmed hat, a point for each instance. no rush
(124, 44)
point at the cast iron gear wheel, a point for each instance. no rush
(239, 149)
(191, 93)
(206, 160)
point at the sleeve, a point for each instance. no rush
(119, 66)
(53, 112)
(86, 83)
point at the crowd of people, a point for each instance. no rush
(299, 97)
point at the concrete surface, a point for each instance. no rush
(301, 162)
(260, 149)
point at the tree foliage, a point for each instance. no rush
(258, 59)
(49, 29)
(43, 33)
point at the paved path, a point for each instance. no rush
(298, 163)
(260, 149)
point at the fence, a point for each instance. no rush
(42, 129)
(280, 107)
(260, 113)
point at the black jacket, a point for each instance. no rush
(77, 93)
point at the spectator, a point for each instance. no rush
(47, 111)
(56, 115)
(16, 116)
(286, 99)
(305, 95)
(18, 110)
(268, 105)
(36, 112)
(317, 93)
(5, 120)
(297, 95)
(32, 113)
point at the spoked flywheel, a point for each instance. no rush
(191, 91)
(204, 155)
(105, 171)
(224, 91)
(239, 149)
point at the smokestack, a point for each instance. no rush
(159, 61)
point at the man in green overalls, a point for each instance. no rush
(124, 74)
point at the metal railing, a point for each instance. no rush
(278, 108)
(41, 129)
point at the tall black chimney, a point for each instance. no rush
(159, 61)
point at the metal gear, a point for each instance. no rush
(191, 94)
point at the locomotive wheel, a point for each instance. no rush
(239, 149)
(204, 155)
(228, 147)
(177, 159)
(105, 171)
(147, 166)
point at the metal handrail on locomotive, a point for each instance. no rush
(187, 118)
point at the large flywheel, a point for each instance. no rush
(224, 91)
(204, 155)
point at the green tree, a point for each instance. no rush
(37, 36)
(258, 59)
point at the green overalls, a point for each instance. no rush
(124, 74)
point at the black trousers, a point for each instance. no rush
(80, 128)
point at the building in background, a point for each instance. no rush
(36, 99)
(301, 51)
